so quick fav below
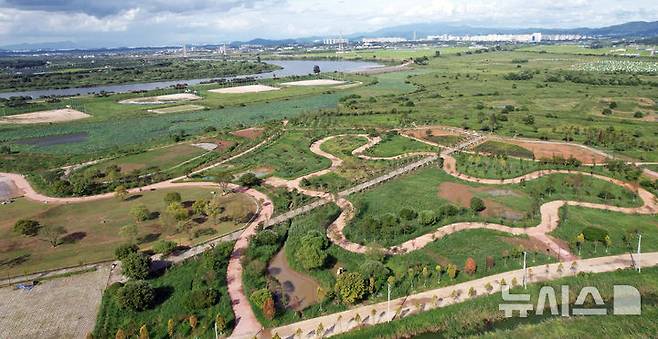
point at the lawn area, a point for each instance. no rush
(288, 157)
(343, 146)
(173, 295)
(379, 217)
(161, 158)
(481, 317)
(621, 228)
(393, 145)
(93, 228)
(502, 148)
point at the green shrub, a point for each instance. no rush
(408, 214)
(172, 197)
(260, 296)
(165, 247)
(136, 295)
(477, 205)
(249, 180)
(136, 266)
(350, 287)
(26, 227)
(124, 250)
(427, 217)
(202, 298)
(595, 234)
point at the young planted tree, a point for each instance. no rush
(470, 267)
(52, 234)
(172, 197)
(121, 193)
(269, 309)
(170, 327)
(452, 271)
(143, 332)
(140, 213)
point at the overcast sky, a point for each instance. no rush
(160, 22)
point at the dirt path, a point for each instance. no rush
(342, 322)
(248, 325)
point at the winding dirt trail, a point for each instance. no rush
(247, 325)
(549, 211)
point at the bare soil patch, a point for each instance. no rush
(244, 89)
(462, 194)
(317, 82)
(67, 307)
(161, 99)
(177, 109)
(249, 133)
(219, 145)
(8, 189)
(548, 150)
(52, 116)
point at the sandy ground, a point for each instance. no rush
(249, 133)
(177, 109)
(162, 99)
(317, 82)
(59, 308)
(57, 115)
(7, 189)
(244, 89)
(546, 150)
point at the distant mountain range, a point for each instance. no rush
(637, 29)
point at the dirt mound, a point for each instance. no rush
(249, 133)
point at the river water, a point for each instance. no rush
(290, 68)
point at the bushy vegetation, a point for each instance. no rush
(195, 288)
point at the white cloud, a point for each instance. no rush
(167, 21)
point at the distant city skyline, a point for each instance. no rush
(162, 22)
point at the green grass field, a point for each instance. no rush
(173, 289)
(93, 229)
(481, 318)
(622, 229)
(432, 189)
(391, 146)
(288, 157)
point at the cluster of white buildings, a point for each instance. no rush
(335, 41)
(534, 37)
(385, 40)
(525, 38)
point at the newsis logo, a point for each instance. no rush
(626, 301)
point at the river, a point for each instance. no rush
(289, 68)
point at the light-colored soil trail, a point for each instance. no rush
(345, 321)
(247, 325)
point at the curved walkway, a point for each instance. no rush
(549, 211)
(336, 323)
(246, 323)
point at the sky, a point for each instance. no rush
(113, 23)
